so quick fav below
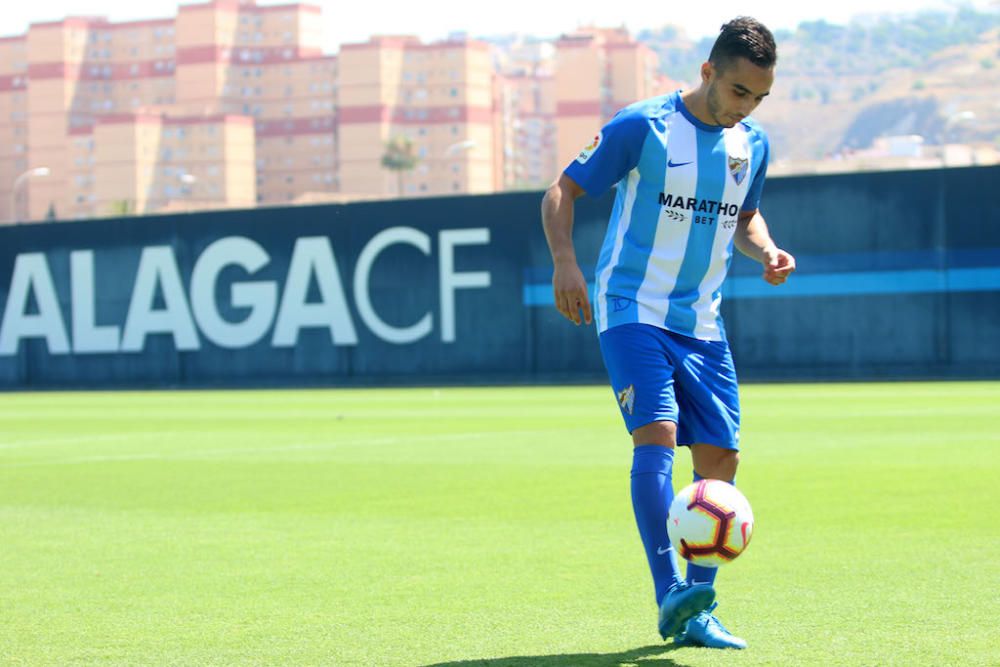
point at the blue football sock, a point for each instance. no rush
(652, 492)
(698, 573)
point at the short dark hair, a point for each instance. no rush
(744, 37)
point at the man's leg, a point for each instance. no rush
(708, 402)
(641, 376)
(711, 462)
(652, 493)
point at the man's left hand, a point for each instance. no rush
(778, 265)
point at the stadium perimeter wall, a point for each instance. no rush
(899, 277)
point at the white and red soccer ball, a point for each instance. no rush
(710, 523)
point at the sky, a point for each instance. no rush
(347, 22)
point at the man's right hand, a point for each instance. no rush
(570, 291)
(568, 285)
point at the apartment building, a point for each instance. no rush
(598, 71)
(438, 98)
(526, 95)
(151, 162)
(231, 104)
(13, 120)
(192, 85)
(265, 62)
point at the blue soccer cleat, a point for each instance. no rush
(681, 605)
(706, 630)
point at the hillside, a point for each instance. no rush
(840, 87)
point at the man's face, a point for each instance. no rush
(735, 90)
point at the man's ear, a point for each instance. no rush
(707, 70)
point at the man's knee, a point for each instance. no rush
(713, 462)
(663, 433)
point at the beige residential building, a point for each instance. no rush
(526, 96)
(598, 71)
(265, 62)
(220, 73)
(231, 104)
(438, 96)
(148, 162)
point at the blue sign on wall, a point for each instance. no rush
(899, 275)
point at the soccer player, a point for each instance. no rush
(689, 169)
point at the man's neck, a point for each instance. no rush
(695, 102)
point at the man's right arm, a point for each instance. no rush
(568, 285)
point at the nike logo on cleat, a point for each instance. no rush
(660, 551)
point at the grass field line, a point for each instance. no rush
(86, 439)
(289, 447)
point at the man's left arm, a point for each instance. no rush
(753, 240)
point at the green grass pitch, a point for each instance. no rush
(482, 526)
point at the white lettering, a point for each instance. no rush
(313, 255)
(157, 266)
(362, 294)
(451, 280)
(260, 297)
(31, 274)
(88, 338)
(258, 307)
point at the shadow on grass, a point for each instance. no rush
(641, 657)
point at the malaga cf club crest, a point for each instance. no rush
(738, 168)
(626, 398)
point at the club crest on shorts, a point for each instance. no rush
(738, 168)
(626, 398)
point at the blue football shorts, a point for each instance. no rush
(659, 375)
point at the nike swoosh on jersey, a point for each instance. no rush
(671, 163)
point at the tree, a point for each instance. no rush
(122, 207)
(399, 157)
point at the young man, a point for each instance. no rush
(690, 169)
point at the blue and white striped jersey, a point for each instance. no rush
(681, 187)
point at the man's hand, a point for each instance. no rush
(778, 265)
(570, 291)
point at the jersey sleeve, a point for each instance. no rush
(762, 148)
(612, 154)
